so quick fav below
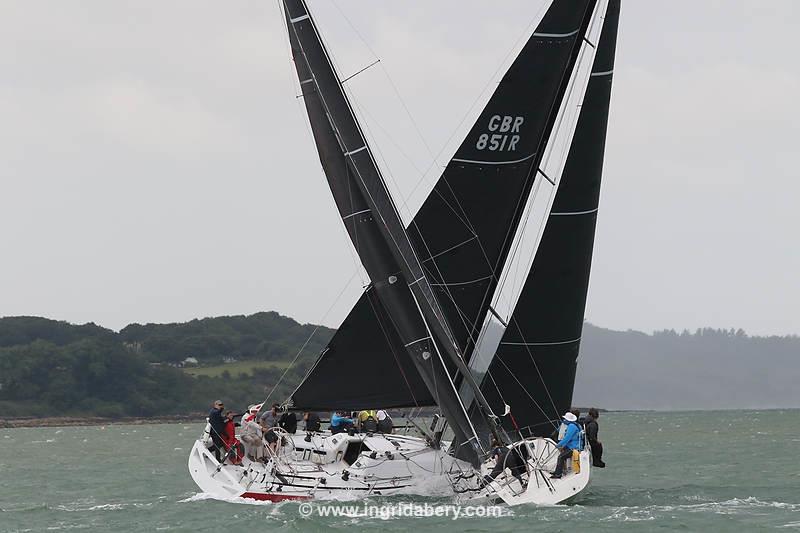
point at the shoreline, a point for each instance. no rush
(70, 421)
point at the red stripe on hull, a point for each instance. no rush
(272, 497)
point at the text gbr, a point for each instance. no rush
(505, 138)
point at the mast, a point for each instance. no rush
(375, 226)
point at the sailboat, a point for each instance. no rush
(446, 322)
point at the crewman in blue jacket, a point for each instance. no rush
(570, 441)
(340, 423)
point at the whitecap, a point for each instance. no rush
(100, 507)
(202, 496)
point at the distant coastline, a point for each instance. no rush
(85, 374)
(67, 421)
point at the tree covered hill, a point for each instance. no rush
(52, 368)
(262, 336)
(20, 330)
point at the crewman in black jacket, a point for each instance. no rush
(217, 422)
(505, 458)
(591, 426)
(312, 421)
(288, 421)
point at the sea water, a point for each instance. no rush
(686, 471)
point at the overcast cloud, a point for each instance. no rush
(156, 166)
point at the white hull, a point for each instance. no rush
(353, 466)
(539, 488)
(329, 466)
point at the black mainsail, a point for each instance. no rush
(375, 227)
(464, 229)
(534, 367)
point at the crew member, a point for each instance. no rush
(312, 421)
(253, 439)
(505, 458)
(385, 424)
(570, 441)
(270, 418)
(270, 436)
(232, 444)
(368, 421)
(592, 428)
(217, 423)
(340, 423)
(288, 421)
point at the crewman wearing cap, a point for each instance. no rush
(570, 441)
(217, 422)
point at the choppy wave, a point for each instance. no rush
(634, 513)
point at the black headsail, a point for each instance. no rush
(375, 226)
(463, 231)
(534, 368)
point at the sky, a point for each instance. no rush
(156, 165)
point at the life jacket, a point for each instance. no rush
(232, 444)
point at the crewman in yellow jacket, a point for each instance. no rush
(368, 421)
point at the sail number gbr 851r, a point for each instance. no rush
(504, 134)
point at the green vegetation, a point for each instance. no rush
(262, 336)
(247, 368)
(52, 368)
